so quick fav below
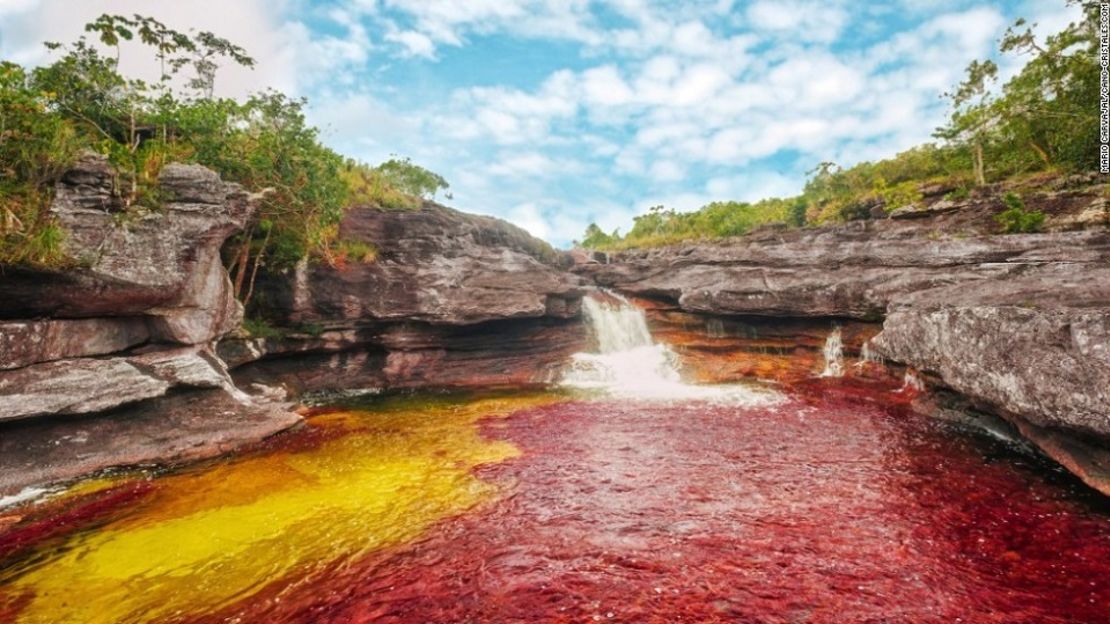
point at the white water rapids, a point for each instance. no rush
(629, 364)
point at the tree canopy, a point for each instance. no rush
(82, 102)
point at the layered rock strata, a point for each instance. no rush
(449, 300)
(115, 349)
(1017, 324)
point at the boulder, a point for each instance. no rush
(434, 264)
(160, 263)
(89, 385)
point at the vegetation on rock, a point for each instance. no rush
(1016, 219)
(1041, 120)
(81, 101)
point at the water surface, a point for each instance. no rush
(835, 504)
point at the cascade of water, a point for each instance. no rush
(911, 382)
(629, 364)
(867, 356)
(834, 355)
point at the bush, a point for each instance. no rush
(1016, 219)
(81, 101)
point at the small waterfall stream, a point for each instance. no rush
(834, 355)
(628, 363)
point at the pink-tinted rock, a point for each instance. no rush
(23, 343)
(181, 427)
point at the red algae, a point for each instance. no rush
(81, 513)
(838, 506)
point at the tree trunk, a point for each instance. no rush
(1041, 152)
(241, 263)
(980, 175)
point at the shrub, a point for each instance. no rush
(260, 328)
(1016, 219)
(346, 251)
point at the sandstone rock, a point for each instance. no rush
(452, 300)
(181, 427)
(1037, 346)
(1096, 214)
(74, 387)
(434, 264)
(163, 263)
(840, 272)
(509, 353)
(23, 343)
(921, 211)
(936, 190)
(88, 385)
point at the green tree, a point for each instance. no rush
(973, 115)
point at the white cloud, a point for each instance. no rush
(414, 43)
(820, 20)
(290, 56)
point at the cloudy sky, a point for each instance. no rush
(556, 113)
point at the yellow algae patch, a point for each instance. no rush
(217, 534)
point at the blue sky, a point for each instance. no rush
(554, 114)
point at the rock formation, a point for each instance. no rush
(449, 300)
(1017, 324)
(116, 347)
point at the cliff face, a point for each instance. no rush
(122, 356)
(116, 350)
(450, 300)
(1019, 324)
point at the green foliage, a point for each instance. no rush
(1041, 120)
(796, 213)
(1016, 219)
(596, 238)
(412, 179)
(35, 149)
(368, 185)
(661, 226)
(260, 328)
(81, 101)
(347, 251)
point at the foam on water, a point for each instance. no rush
(629, 364)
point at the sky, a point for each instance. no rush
(557, 113)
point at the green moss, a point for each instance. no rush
(260, 328)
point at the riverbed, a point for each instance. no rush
(834, 504)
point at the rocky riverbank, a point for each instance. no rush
(450, 300)
(1017, 325)
(110, 359)
(134, 351)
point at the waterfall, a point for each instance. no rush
(911, 382)
(868, 356)
(618, 326)
(629, 364)
(834, 355)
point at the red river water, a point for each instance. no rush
(837, 505)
